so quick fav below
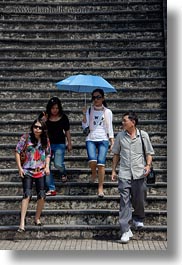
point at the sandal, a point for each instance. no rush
(51, 193)
(101, 195)
(38, 223)
(64, 178)
(21, 230)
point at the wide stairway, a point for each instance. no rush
(43, 42)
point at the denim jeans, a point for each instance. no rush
(97, 151)
(58, 152)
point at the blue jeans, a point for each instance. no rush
(58, 152)
(97, 151)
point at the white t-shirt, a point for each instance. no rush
(99, 130)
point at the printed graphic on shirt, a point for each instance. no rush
(98, 120)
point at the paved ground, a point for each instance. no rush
(85, 244)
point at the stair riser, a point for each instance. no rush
(48, 82)
(80, 35)
(77, 164)
(109, 234)
(96, 219)
(78, 116)
(113, 204)
(42, 105)
(76, 139)
(68, 95)
(17, 127)
(62, 190)
(79, 53)
(74, 176)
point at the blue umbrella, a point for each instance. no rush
(85, 83)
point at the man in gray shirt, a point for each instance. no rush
(133, 168)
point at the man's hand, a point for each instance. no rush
(114, 176)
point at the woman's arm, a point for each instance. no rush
(18, 162)
(68, 137)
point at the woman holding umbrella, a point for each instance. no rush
(97, 120)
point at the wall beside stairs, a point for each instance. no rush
(42, 42)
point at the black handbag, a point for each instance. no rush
(151, 177)
(86, 131)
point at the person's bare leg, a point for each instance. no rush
(24, 207)
(101, 176)
(40, 206)
(93, 167)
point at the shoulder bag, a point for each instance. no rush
(151, 178)
(23, 152)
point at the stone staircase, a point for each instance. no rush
(42, 42)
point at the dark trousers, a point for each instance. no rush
(28, 181)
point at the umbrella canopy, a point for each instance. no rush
(85, 83)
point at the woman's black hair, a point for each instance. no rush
(54, 101)
(43, 136)
(101, 92)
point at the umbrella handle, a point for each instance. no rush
(85, 100)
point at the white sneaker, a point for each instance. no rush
(138, 224)
(130, 233)
(126, 236)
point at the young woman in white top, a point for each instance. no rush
(98, 120)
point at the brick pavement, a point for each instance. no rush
(77, 244)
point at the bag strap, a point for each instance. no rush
(143, 147)
(26, 140)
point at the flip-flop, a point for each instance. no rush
(21, 230)
(101, 195)
(51, 193)
(38, 223)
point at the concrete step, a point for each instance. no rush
(78, 201)
(101, 10)
(139, 69)
(11, 138)
(78, 160)
(76, 114)
(50, 81)
(123, 61)
(76, 6)
(79, 188)
(82, 174)
(77, 34)
(78, 43)
(7, 93)
(81, 231)
(17, 125)
(91, 23)
(77, 103)
(78, 217)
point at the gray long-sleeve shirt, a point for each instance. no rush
(132, 161)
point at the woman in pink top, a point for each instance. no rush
(35, 167)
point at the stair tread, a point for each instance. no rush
(76, 226)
